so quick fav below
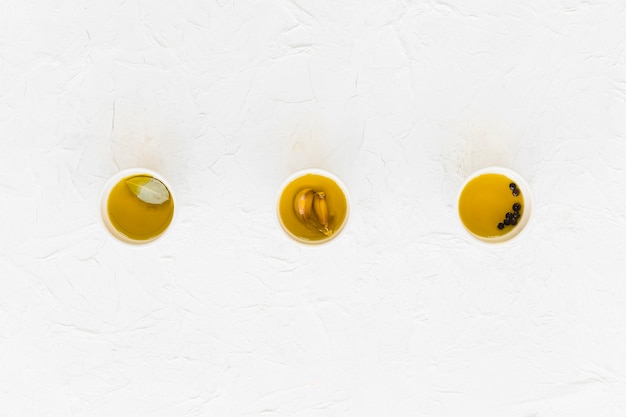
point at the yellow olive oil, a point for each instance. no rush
(135, 218)
(484, 203)
(335, 199)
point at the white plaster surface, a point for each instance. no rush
(404, 314)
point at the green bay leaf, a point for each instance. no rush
(148, 189)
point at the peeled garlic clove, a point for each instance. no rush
(320, 208)
(303, 204)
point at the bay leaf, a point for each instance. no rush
(148, 189)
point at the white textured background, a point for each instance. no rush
(404, 315)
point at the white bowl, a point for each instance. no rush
(528, 204)
(104, 216)
(340, 184)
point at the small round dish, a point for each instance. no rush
(307, 230)
(106, 214)
(487, 201)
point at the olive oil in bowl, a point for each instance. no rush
(137, 206)
(494, 204)
(313, 206)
